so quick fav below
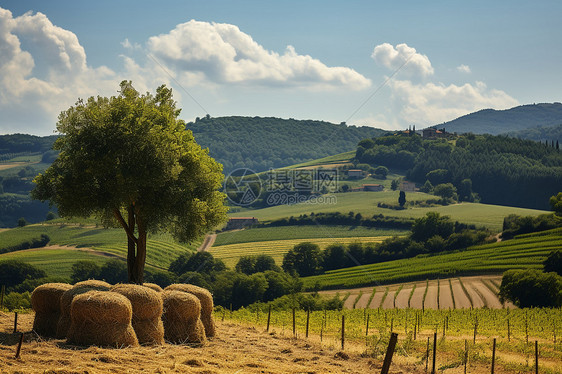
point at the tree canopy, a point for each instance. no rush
(129, 160)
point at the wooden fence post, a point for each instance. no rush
(294, 324)
(536, 357)
(268, 317)
(307, 321)
(2, 296)
(427, 355)
(493, 355)
(367, 328)
(434, 352)
(342, 332)
(465, 355)
(508, 331)
(18, 351)
(389, 353)
(475, 329)
(15, 322)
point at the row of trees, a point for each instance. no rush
(430, 234)
(344, 219)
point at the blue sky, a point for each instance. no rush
(291, 59)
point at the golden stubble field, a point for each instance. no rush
(237, 349)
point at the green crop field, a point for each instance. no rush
(161, 248)
(335, 159)
(527, 251)
(365, 203)
(277, 248)
(55, 262)
(300, 232)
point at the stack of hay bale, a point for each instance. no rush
(101, 318)
(45, 301)
(67, 298)
(147, 312)
(96, 313)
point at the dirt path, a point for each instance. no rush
(207, 242)
(350, 301)
(402, 297)
(431, 297)
(445, 296)
(417, 297)
(389, 301)
(236, 349)
(461, 300)
(491, 298)
(376, 302)
(362, 303)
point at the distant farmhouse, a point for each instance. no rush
(407, 186)
(237, 223)
(431, 133)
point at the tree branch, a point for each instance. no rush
(119, 217)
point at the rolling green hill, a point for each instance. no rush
(525, 251)
(539, 133)
(262, 143)
(494, 122)
(161, 249)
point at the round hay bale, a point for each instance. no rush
(101, 318)
(206, 299)
(153, 286)
(66, 301)
(45, 301)
(181, 317)
(147, 312)
(94, 284)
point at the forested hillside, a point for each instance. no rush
(263, 143)
(539, 133)
(502, 170)
(490, 121)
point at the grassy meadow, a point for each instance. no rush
(300, 232)
(365, 203)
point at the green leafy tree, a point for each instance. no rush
(431, 225)
(84, 269)
(553, 262)
(114, 271)
(14, 272)
(531, 288)
(130, 160)
(446, 191)
(334, 257)
(381, 171)
(22, 222)
(402, 198)
(394, 184)
(556, 204)
(304, 259)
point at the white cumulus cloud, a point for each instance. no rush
(430, 103)
(391, 57)
(38, 82)
(225, 55)
(464, 69)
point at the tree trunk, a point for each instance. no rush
(137, 274)
(131, 245)
(136, 247)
